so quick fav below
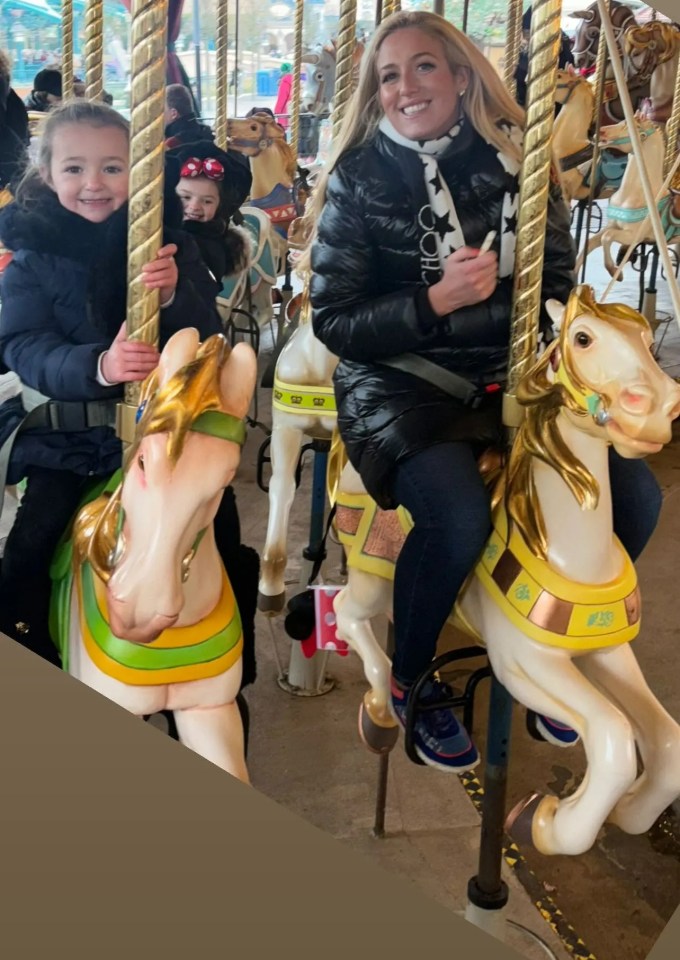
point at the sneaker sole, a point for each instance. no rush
(551, 738)
(444, 767)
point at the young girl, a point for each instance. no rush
(62, 331)
(203, 190)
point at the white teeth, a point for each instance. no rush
(414, 108)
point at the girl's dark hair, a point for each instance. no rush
(91, 113)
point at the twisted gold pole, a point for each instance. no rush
(544, 45)
(297, 72)
(221, 74)
(145, 218)
(513, 42)
(94, 49)
(672, 127)
(66, 49)
(343, 74)
(389, 7)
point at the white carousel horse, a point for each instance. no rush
(142, 609)
(317, 91)
(627, 208)
(553, 597)
(651, 53)
(303, 406)
(572, 145)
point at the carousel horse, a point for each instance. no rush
(573, 147)
(651, 52)
(142, 609)
(303, 405)
(317, 92)
(553, 597)
(274, 169)
(586, 43)
(627, 208)
(251, 290)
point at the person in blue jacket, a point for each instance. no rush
(62, 331)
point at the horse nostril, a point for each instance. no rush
(672, 407)
(637, 401)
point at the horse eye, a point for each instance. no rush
(318, 76)
(583, 339)
(140, 462)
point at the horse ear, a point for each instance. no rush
(586, 15)
(312, 58)
(179, 350)
(238, 380)
(555, 311)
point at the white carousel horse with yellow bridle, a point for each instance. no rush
(628, 221)
(303, 405)
(142, 608)
(554, 597)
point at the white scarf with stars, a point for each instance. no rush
(441, 232)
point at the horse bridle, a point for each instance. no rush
(213, 423)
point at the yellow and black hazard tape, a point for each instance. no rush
(545, 905)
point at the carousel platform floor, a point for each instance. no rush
(611, 903)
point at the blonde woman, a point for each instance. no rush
(426, 168)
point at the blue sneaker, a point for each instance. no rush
(438, 738)
(556, 733)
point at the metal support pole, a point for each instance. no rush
(236, 19)
(196, 26)
(378, 831)
(221, 74)
(487, 891)
(306, 677)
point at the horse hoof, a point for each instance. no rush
(271, 605)
(377, 739)
(519, 821)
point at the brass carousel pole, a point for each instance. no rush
(145, 217)
(221, 74)
(672, 128)
(513, 42)
(487, 892)
(94, 49)
(389, 7)
(344, 71)
(66, 49)
(598, 82)
(297, 74)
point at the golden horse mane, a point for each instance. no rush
(170, 409)
(539, 435)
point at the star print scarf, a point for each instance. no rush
(441, 232)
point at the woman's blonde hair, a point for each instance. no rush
(486, 100)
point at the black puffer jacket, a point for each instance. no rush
(369, 301)
(63, 302)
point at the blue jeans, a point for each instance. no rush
(442, 489)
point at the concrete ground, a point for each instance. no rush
(611, 903)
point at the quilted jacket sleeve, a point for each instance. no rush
(194, 303)
(347, 315)
(560, 254)
(33, 346)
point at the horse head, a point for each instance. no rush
(608, 379)
(646, 46)
(617, 135)
(587, 36)
(317, 91)
(186, 450)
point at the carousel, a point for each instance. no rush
(554, 620)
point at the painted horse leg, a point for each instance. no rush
(656, 732)
(366, 596)
(215, 733)
(286, 443)
(547, 681)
